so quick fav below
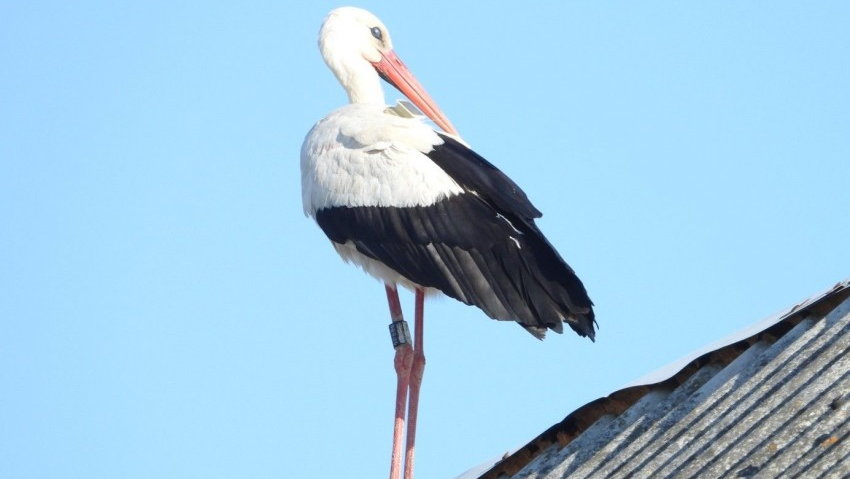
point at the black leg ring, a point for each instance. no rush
(399, 333)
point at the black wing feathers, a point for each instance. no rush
(473, 172)
(482, 249)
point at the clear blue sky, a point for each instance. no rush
(167, 311)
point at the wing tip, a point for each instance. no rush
(584, 324)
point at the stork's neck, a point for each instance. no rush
(362, 83)
(353, 71)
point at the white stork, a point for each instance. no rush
(416, 207)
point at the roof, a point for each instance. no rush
(772, 401)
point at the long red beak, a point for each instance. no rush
(391, 69)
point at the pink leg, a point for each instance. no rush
(403, 364)
(418, 368)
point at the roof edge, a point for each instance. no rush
(617, 402)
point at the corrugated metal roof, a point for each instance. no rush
(773, 404)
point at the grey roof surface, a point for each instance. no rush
(773, 404)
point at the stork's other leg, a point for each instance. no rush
(418, 367)
(403, 364)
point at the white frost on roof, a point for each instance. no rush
(671, 369)
(485, 466)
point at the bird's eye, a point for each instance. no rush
(376, 32)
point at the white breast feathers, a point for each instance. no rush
(359, 155)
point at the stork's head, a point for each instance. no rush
(357, 47)
(354, 31)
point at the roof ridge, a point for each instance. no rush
(576, 423)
